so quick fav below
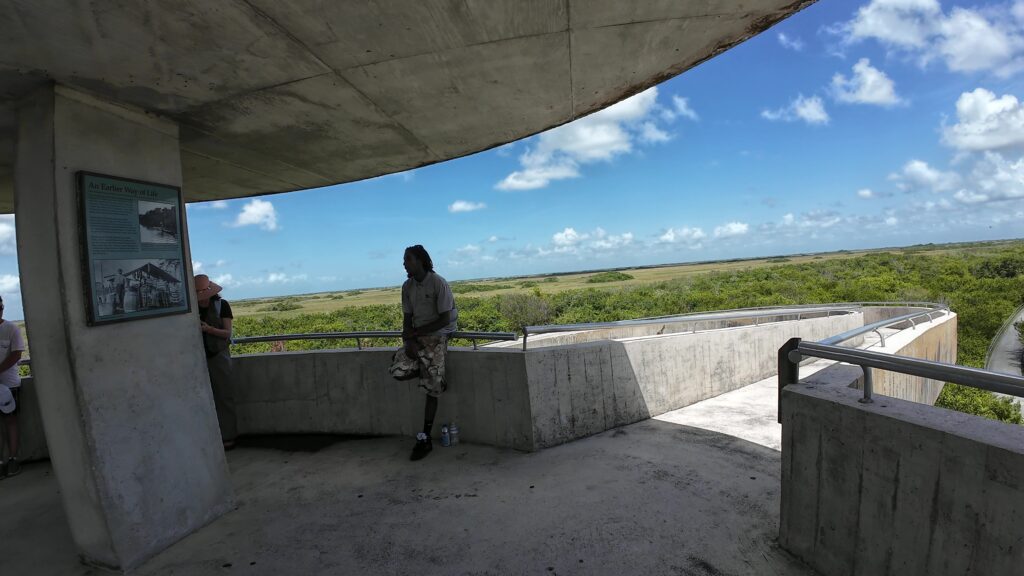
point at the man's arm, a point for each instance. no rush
(407, 328)
(224, 332)
(443, 320)
(11, 360)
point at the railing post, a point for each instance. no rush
(524, 338)
(868, 386)
(359, 343)
(881, 336)
(474, 343)
(789, 370)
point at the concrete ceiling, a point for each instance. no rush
(280, 95)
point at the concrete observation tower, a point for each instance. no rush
(110, 107)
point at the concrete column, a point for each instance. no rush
(127, 407)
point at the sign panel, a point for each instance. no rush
(134, 257)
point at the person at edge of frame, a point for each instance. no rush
(215, 322)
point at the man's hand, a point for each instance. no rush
(412, 347)
(204, 327)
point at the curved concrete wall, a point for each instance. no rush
(526, 401)
(508, 398)
(897, 488)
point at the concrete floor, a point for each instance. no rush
(663, 496)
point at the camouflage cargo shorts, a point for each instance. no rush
(429, 361)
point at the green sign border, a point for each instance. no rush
(92, 318)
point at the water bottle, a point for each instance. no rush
(445, 436)
(453, 434)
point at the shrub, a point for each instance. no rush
(520, 310)
(608, 277)
(281, 306)
(460, 288)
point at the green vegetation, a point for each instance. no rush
(464, 288)
(608, 277)
(778, 260)
(282, 305)
(550, 279)
(973, 279)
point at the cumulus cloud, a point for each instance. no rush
(965, 39)
(197, 267)
(682, 108)
(810, 110)
(257, 213)
(225, 280)
(219, 205)
(687, 236)
(814, 219)
(568, 237)
(10, 283)
(865, 193)
(8, 235)
(867, 85)
(969, 197)
(790, 43)
(604, 241)
(985, 122)
(559, 153)
(468, 250)
(917, 175)
(464, 206)
(280, 278)
(731, 229)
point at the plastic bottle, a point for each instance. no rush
(445, 436)
(453, 434)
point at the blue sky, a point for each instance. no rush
(849, 125)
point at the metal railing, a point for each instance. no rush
(368, 335)
(798, 310)
(794, 351)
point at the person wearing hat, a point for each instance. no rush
(11, 347)
(215, 320)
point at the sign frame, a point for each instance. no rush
(124, 223)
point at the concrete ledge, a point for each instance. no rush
(896, 487)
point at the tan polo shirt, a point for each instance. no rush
(427, 300)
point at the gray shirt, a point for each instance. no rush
(427, 300)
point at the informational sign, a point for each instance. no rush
(134, 257)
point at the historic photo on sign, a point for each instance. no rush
(126, 286)
(158, 223)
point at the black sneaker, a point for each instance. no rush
(422, 448)
(13, 468)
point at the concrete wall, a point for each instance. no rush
(935, 340)
(506, 398)
(126, 407)
(351, 392)
(32, 438)
(897, 488)
(653, 329)
(584, 389)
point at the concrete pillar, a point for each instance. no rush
(127, 407)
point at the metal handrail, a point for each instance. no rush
(876, 326)
(744, 313)
(358, 336)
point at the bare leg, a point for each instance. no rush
(11, 423)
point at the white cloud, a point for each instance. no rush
(219, 205)
(682, 107)
(985, 122)
(968, 197)
(464, 206)
(650, 133)
(225, 280)
(966, 40)
(257, 213)
(492, 239)
(790, 43)
(810, 110)
(468, 250)
(865, 193)
(559, 153)
(892, 221)
(197, 267)
(731, 229)
(280, 278)
(8, 235)
(996, 178)
(814, 219)
(568, 237)
(10, 283)
(604, 241)
(691, 237)
(868, 85)
(917, 174)
(219, 263)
